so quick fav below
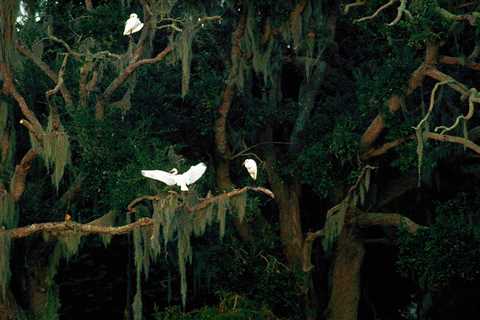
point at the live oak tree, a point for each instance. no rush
(356, 113)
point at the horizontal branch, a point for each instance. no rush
(69, 226)
(94, 228)
(375, 152)
(461, 62)
(366, 220)
(453, 139)
(206, 201)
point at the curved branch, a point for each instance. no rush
(377, 12)
(120, 79)
(46, 69)
(61, 72)
(471, 108)
(307, 265)
(17, 184)
(10, 89)
(205, 202)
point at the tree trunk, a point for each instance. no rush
(345, 293)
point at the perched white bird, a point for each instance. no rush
(251, 166)
(173, 178)
(132, 25)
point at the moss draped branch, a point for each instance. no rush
(96, 228)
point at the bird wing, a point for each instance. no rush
(194, 173)
(128, 26)
(160, 175)
(138, 26)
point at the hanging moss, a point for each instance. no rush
(137, 247)
(107, 220)
(184, 51)
(8, 212)
(221, 215)
(138, 251)
(172, 218)
(137, 305)
(67, 246)
(239, 204)
(56, 149)
(51, 308)
(184, 249)
(4, 264)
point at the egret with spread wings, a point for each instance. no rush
(173, 178)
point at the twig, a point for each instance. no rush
(243, 152)
(471, 107)
(61, 72)
(400, 11)
(376, 13)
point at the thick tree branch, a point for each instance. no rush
(366, 220)
(453, 139)
(17, 184)
(307, 250)
(98, 228)
(461, 62)
(394, 102)
(10, 89)
(69, 226)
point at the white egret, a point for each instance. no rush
(132, 25)
(173, 178)
(251, 167)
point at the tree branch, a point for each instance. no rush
(46, 69)
(10, 89)
(453, 139)
(366, 220)
(375, 152)
(120, 79)
(205, 202)
(307, 265)
(61, 72)
(461, 62)
(17, 184)
(69, 226)
(394, 102)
